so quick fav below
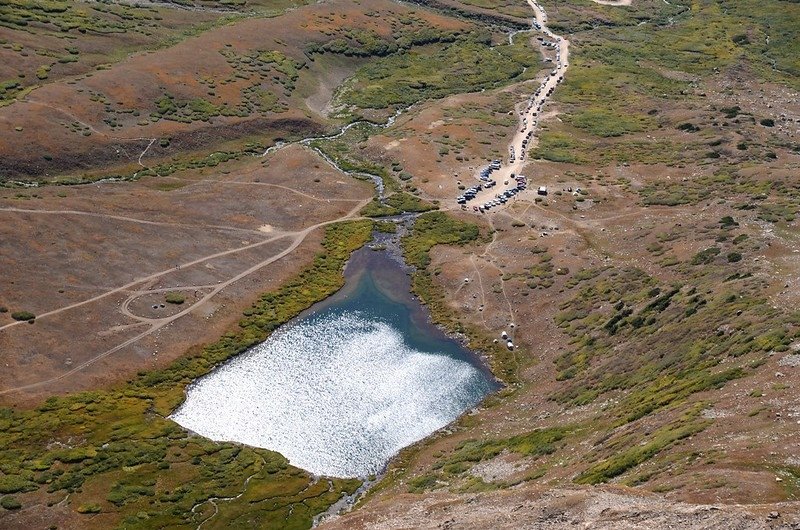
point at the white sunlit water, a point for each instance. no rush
(337, 394)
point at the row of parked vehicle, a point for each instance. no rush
(504, 197)
(471, 192)
(485, 172)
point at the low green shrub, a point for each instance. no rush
(15, 484)
(23, 315)
(705, 256)
(174, 298)
(435, 228)
(10, 503)
(396, 204)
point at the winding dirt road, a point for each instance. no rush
(156, 324)
(525, 137)
(131, 219)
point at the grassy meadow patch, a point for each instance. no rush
(468, 64)
(439, 228)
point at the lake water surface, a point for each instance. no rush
(347, 384)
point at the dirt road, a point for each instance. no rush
(525, 137)
(155, 324)
(613, 2)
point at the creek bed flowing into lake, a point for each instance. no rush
(347, 384)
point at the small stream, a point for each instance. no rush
(376, 179)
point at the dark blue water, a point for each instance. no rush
(380, 285)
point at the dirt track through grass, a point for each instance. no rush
(129, 219)
(156, 324)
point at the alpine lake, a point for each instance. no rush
(348, 383)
